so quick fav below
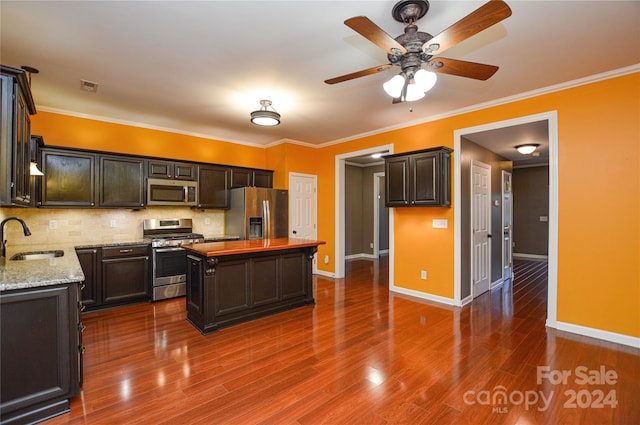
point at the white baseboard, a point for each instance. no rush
(530, 256)
(596, 333)
(424, 296)
(496, 283)
(361, 256)
(325, 274)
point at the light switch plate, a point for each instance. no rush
(440, 224)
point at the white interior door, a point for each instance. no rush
(480, 228)
(303, 201)
(507, 226)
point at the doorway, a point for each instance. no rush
(551, 120)
(340, 202)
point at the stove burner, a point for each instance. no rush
(170, 232)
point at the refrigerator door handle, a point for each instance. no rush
(266, 225)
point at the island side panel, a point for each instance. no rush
(230, 289)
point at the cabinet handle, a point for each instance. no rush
(124, 251)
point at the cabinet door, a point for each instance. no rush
(121, 182)
(160, 169)
(241, 177)
(39, 350)
(21, 159)
(232, 280)
(125, 279)
(294, 277)
(184, 171)
(213, 191)
(265, 277)
(262, 178)
(68, 179)
(424, 187)
(397, 181)
(88, 259)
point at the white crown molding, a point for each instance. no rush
(502, 101)
(510, 99)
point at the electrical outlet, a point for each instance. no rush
(53, 224)
(112, 223)
(326, 259)
(423, 274)
(371, 245)
(207, 220)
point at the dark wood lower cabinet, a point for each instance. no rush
(230, 289)
(41, 352)
(125, 274)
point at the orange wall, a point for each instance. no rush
(599, 211)
(599, 191)
(68, 131)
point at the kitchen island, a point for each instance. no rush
(236, 281)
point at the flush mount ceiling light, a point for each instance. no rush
(266, 115)
(527, 149)
(378, 154)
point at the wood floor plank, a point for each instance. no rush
(360, 355)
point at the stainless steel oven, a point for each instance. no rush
(169, 260)
(169, 272)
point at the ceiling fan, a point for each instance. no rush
(413, 48)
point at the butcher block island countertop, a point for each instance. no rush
(236, 281)
(215, 249)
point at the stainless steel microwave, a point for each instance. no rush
(172, 192)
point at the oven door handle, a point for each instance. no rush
(168, 249)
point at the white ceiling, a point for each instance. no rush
(202, 67)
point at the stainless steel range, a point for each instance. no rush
(169, 260)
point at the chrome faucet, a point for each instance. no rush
(26, 230)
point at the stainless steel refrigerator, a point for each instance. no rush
(258, 213)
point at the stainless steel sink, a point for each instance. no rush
(37, 255)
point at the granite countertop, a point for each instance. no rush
(20, 274)
(245, 246)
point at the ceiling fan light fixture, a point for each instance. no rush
(425, 79)
(414, 92)
(266, 115)
(394, 86)
(527, 149)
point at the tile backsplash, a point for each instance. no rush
(83, 226)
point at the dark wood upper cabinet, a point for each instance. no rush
(214, 184)
(263, 178)
(69, 178)
(172, 170)
(245, 177)
(121, 181)
(418, 179)
(15, 137)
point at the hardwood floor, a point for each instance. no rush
(359, 356)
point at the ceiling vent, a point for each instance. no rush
(89, 86)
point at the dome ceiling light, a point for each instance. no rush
(527, 149)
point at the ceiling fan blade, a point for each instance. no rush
(358, 74)
(366, 28)
(480, 19)
(479, 71)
